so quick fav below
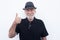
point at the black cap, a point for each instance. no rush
(29, 5)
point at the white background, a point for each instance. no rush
(47, 10)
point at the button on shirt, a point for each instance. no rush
(31, 30)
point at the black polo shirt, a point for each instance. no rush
(31, 31)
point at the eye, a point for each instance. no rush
(27, 10)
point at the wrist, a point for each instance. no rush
(15, 23)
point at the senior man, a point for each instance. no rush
(29, 28)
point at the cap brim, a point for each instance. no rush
(29, 8)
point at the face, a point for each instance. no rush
(30, 12)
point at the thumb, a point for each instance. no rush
(16, 14)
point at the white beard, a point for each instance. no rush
(30, 18)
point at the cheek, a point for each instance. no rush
(33, 13)
(26, 13)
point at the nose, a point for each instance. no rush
(30, 11)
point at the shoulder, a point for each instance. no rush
(23, 20)
(39, 20)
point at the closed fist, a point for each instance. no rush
(17, 19)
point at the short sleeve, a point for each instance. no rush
(17, 29)
(44, 31)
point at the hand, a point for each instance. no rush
(17, 19)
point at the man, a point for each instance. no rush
(29, 28)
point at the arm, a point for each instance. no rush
(44, 38)
(44, 32)
(12, 32)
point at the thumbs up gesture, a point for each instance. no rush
(17, 19)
